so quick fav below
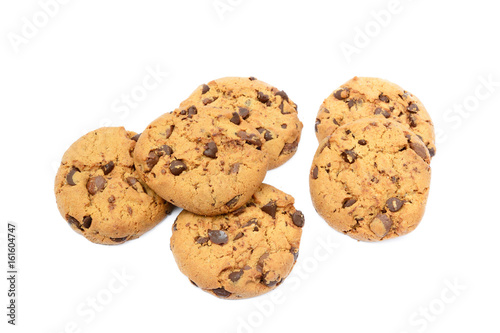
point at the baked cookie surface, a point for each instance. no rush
(263, 106)
(99, 192)
(242, 254)
(370, 179)
(363, 97)
(197, 159)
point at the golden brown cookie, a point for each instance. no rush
(98, 190)
(199, 160)
(242, 254)
(363, 97)
(266, 108)
(370, 179)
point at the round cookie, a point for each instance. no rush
(242, 254)
(98, 190)
(201, 161)
(267, 109)
(363, 97)
(370, 179)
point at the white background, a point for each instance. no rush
(67, 78)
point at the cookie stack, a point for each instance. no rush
(236, 237)
(370, 176)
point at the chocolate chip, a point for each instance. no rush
(267, 283)
(177, 167)
(412, 108)
(295, 253)
(349, 202)
(383, 112)
(238, 236)
(73, 221)
(192, 110)
(221, 292)
(218, 237)
(432, 151)
(270, 209)
(283, 95)
(412, 120)
(235, 168)
(290, 148)
(169, 131)
(394, 204)
(298, 219)
(362, 142)
(251, 78)
(69, 176)
(87, 222)
(384, 98)
(202, 240)
(267, 134)
(335, 122)
(349, 156)
(251, 222)
(263, 98)
(318, 121)
(251, 139)
(207, 101)
(381, 225)
(136, 137)
(131, 181)
(239, 211)
(119, 240)
(152, 159)
(165, 150)
(205, 89)
(183, 112)
(211, 150)
(282, 109)
(96, 184)
(108, 168)
(260, 263)
(341, 94)
(112, 198)
(351, 103)
(420, 149)
(315, 172)
(244, 112)
(231, 203)
(236, 118)
(235, 276)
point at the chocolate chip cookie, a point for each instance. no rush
(370, 179)
(198, 159)
(243, 254)
(266, 108)
(99, 192)
(363, 97)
